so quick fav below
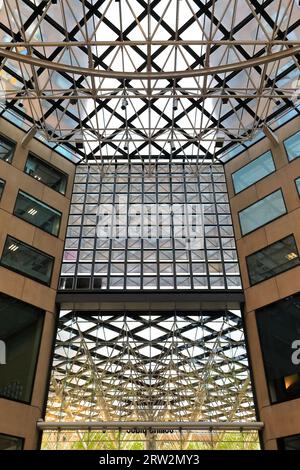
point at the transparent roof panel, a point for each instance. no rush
(148, 80)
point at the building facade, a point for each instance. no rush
(263, 187)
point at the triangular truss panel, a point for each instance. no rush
(150, 367)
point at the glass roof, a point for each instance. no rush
(147, 80)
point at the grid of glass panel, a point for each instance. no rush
(143, 263)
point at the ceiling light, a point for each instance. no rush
(124, 104)
(13, 247)
(291, 256)
(32, 211)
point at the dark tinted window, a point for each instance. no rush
(47, 174)
(2, 184)
(279, 330)
(20, 333)
(7, 148)
(289, 443)
(27, 260)
(37, 213)
(10, 442)
(272, 260)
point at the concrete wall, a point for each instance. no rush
(16, 418)
(280, 419)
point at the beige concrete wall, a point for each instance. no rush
(281, 419)
(15, 418)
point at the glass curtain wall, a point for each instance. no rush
(172, 230)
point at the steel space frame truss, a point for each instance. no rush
(115, 367)
(149, 80)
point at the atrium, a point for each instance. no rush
(149, 214)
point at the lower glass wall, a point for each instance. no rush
(159, 367)
(172, 440)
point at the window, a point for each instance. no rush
(2, 184)
(7, 148)
(262, 212)
(272, 260)
(278, 326)
(289, 443)
(27, 260)
(20, 331)
(10, 442)
(47, 174)
(292, 146)
(253, 172)
(297, 182)
(37, 213)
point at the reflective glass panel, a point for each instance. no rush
(253, 172)
(261, 212)
(7, 148)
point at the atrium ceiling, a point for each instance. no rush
(148, 80)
